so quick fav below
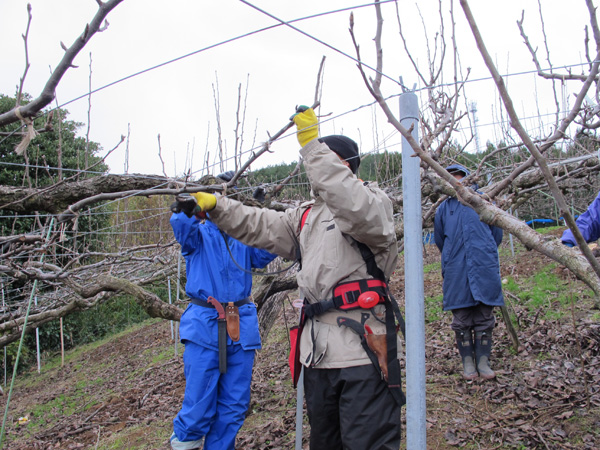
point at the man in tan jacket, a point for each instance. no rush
(348, 226)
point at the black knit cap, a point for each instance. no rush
(345, 148)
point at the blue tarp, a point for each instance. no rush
(560, 221)
(529, 222)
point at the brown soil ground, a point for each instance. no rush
(123, 393)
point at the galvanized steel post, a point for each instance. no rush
(299, 408)
(413, 275)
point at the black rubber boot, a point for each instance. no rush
(483, 350)
(464, 342)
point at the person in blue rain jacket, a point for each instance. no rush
(472, 286)
(214, 404)
(588, 224)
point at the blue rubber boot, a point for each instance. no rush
(464, 342)
(483, 350)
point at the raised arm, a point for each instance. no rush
(263, 228)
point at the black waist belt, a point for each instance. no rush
(204, 303)
(345, 296)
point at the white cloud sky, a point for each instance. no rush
(177, 102)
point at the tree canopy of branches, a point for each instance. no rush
(531, 174)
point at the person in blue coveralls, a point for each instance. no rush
(588, 224)
(214, 404)
(472, 285)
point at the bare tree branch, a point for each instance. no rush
(47, 94)
(527, 141)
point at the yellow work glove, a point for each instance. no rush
(206, 202)
(306, 123)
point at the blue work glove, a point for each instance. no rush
(259, 194)
(226, 176)
(568, 244)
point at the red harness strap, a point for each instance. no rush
(304, 216)
(346, 294)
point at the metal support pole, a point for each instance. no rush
(177, 299)
(169, 289)
(413, 274)
(299, 409)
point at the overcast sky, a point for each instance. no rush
(277, 69)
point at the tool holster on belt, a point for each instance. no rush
(221, 332)
(378, 344)
(232, 315)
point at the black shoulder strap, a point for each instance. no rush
(369, 259)
(374, 270)
(391, 309)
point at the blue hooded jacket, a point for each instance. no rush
(211, 271)
(470, 264)
(588, 223)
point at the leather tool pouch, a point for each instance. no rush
(232, 315)
(378, 343)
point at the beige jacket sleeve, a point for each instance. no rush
(359, 210)
(274, 231)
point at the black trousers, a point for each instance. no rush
(350, 409)
(480, 317)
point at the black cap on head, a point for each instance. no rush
(457, 168)
(345, 148)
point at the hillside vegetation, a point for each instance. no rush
(123, 392)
